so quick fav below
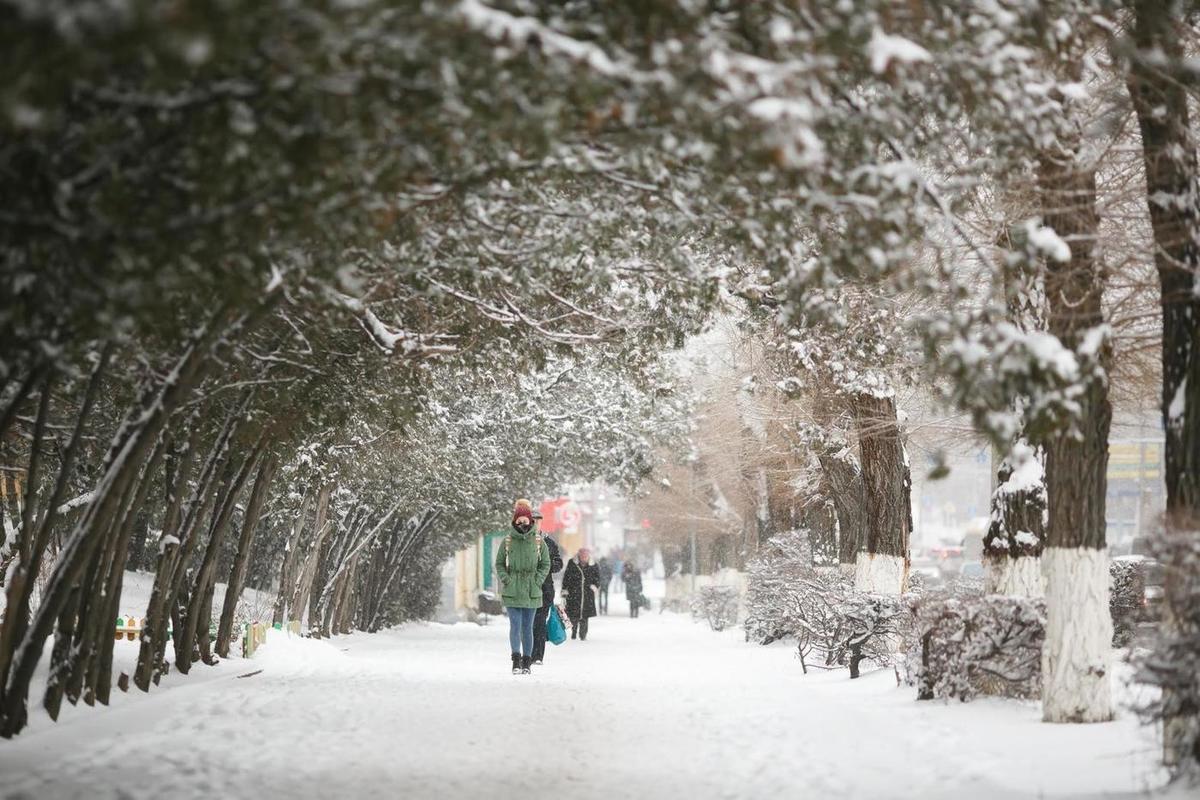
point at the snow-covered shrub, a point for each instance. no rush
(966, 586)
(916, 584)
(770, 579)
(834, 624)
(873, 626)
(718, 605)
(1172, 660)
(1125, 597)
(962, 645)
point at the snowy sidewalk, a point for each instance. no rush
(653, 707)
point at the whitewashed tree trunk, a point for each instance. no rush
(1075, 657)
(1015, 577)
(880, 573)
(883, 568)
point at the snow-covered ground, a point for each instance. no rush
(653, 707)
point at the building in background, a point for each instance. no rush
(945, 509)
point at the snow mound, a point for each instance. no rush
(287, 652)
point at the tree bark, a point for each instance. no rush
(102, 683)
(130, 448)
(322, 527)
(849, 500)
(154, 624)
(33, 473)
(1012, 548)
(291, 557)
(1078, 626)
(1173, 199)
(241, 560)
(883, 568)
(206, 574)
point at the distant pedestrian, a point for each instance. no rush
(606, 575)
(522, 564)
(579, 579)
(618, 567)
(633, 588)
(539, 619)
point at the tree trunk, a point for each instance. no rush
(849, 500)
(1173, 197)
(883, 568)
(308, 565)
(33, 473)
(175, 551)
(154, 624)
(1012, 548)
(241, 560)
(102, 683)
(291, 557)
(1075, 658)
(206, 575)
(820, 518)
(141, 431)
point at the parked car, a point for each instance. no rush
(948, 559)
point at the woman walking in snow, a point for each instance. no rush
(522, 564)
(579, 578)
(633, 588)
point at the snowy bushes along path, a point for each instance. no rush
(665, 708)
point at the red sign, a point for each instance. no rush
(552, 515)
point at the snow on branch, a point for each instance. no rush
(504, 27)
(409, 343)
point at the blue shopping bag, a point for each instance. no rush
(556, 632)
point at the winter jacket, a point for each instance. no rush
(578, 597)
(555, 565)
(522, 564)
(606, 573)
(633, 583)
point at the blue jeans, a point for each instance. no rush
(520, 630)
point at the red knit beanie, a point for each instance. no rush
(522, 510)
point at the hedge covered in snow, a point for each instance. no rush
(834, 625)
(962, 645)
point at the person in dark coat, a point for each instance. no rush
(633, 588)
(606, 574)
(539, 619)
(579, 579)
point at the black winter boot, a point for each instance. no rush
(516, 663)
(525, 670)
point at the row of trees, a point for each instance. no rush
(944, 181)
(275, 316)
(214, 208)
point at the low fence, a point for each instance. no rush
(254, 634)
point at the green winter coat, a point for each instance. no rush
(522, 564)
